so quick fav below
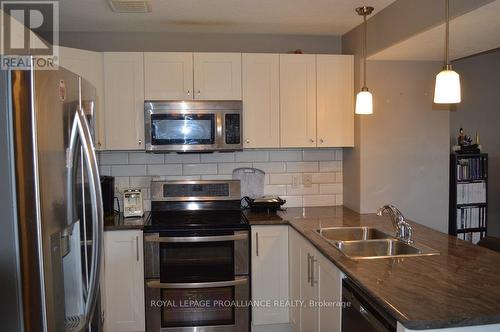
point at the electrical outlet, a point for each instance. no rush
(296, 181)
(307, 180)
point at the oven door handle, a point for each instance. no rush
(173, 239)
(184, 285)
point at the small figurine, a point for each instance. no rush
(464, 140)
(465, 144)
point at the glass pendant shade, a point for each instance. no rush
(447, 89)
(364, 102)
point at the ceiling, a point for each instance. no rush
(474, 32)
(298, 17)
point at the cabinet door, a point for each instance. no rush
(168, 76)
(335, 89)
(217, 76)
(270, 273)
(124, 100)
(308, 289)
(298, 100)
(261, 102)
(329, 290)
(88, 65)
(124, 281)
(295, 278)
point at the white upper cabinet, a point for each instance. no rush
(124, 100)
(217, 76)
(270, 273)
(298, 100)
(261, 102)
(335, 93)
(88, 65)
(168, 76)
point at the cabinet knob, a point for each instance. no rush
(312, 140)
(99, 144)
(247, 141)
(199, 92)
(140, 142)
(321, 140)
(188, 93)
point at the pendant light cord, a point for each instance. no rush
(447, 41)
(364, 50)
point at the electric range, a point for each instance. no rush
(196, 258)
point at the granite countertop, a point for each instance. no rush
(459, 287)
(119, 222)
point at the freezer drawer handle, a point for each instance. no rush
(189, 285)
(174, 239)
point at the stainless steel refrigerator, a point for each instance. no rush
(52, 225)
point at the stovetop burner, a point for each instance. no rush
(196, 205)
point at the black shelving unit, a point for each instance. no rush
(468, 217)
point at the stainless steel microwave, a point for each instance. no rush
(190, 126)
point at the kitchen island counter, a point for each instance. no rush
(457, 288)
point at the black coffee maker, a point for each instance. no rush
(108, 195)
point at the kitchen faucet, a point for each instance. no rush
(403, 229)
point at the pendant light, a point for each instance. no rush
(364, 98)
(447, 89)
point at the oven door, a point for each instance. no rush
(182, 131)
(201, 307)
(186, 257)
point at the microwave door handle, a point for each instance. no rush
(191, 239)
(80, 129)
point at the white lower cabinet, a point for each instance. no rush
(316, 283)
(270, 274)
(123, 281)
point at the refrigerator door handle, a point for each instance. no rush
(80, 129)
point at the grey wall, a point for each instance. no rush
(154, 42)
(404, 151)
(404, 19)
(480, 112)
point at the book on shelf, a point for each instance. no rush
(473, 237)
(471, 168)
(471, 193)
(471, 217)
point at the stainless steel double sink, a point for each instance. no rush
(370, 243)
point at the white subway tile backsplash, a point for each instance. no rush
(199, 169)
(104, 170)
(330, 166)
(128, 170)
(319, 200)
(324, 177)
(113, 158)
(251, 156)
(280, 178)
(272, 189)
(271, 167)
(219, 157)
(301, 190)
(286, 155)
(140, 181)
(302, 166)
(182, 158)
(175, 169)
(143, 158)
(138, 169)
(330, 188)
(293, 201)
(227, 168)
(217, 177)
(323, 154)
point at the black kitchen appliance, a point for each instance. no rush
(196, 247)
(272, 203)
(108, 195)
(361, 313)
